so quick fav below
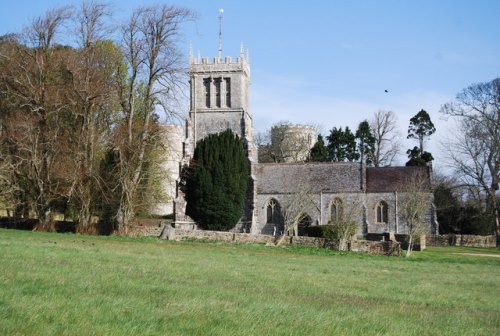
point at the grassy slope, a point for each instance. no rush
(81, 285)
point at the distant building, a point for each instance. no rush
(293, 142)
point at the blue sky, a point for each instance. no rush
(328, 63)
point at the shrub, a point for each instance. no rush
(320, 231)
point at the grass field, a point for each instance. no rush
(66, 284)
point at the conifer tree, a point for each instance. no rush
(421, 127)
(342, 145)
(217, 181)
(366, 145)
(319, 152)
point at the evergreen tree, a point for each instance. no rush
(417, 158)
(342, 145)
(217, 180)
(366, 145)
(421, 127)
(319, 152)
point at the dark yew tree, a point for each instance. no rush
(342, 145)
(216, 182)
(366, 142)
(319, 152)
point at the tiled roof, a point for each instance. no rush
(289, 177)
(388, 179)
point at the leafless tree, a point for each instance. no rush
(474, 151)
(90, 70)
(387, 137)
(294, 209)
(414, 205)
(154, 73)
(32, 84)
(346, 225)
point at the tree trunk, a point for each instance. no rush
(497, 223)
(410, 246)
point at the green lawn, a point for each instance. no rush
(65, 284)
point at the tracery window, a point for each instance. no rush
(274, 217)
(273, 212)
(336, 210)
(382, 211)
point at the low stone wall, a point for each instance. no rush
(144, 231)
(379, 247)
(167, 232)
(221, 236)
(373, 247)
(418, 245)
(461, 240)
(438, 240)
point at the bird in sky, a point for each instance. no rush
(386, 91)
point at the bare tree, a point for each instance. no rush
(414, 205)
(474, 151)
(33, 86)
(153, 75)
(387, 137)
(346, 225)
(294, 209)
(91, 73)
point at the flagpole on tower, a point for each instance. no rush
(221, 16)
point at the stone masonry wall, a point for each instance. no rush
(440, 240)
(461, 240)
(384, 248)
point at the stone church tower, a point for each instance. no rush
(219, 100)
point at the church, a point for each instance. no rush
(219, 100)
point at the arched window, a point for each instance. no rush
(304, 223)
(274, 221)
(382, 210)
(273, 211)
(336, 210)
